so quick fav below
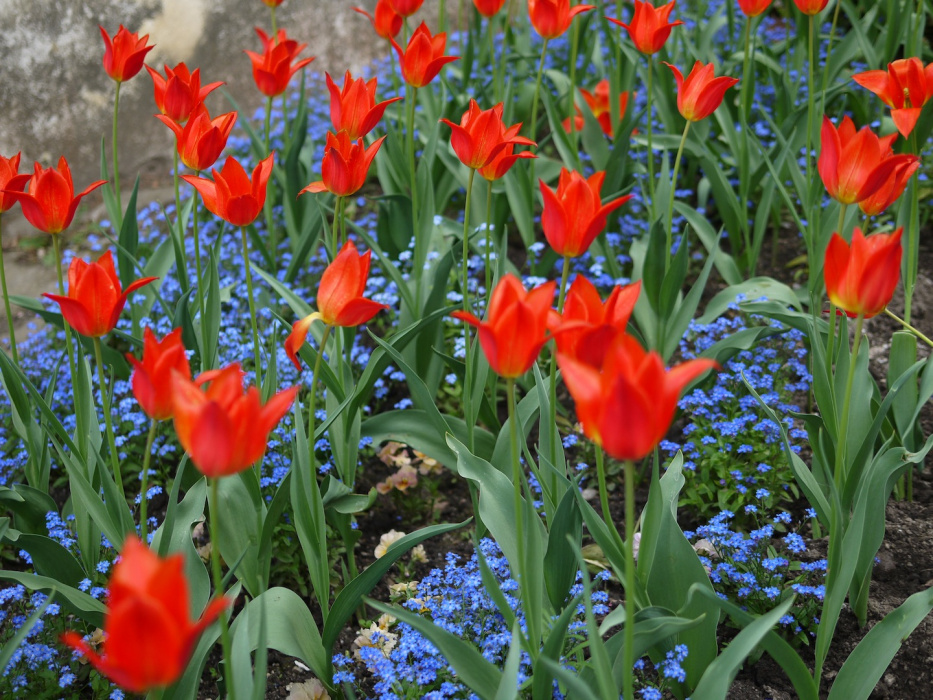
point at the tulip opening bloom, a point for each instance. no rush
(861, 278)
(386, 21)
(811, 7)
(340, 299)
(148, 634)
(179, 92)
(598, 102)
(202, 139)
(700, 93)
(234, 196)
(125, 53)
(488, 8)
(48, 201)
(753, 8)
(481, 135)
(627, 403)
(516, 325)
(345, 165)
(152, 376)
(224, 429)
(502, 162)
(551, 18)
(424, 57)
(273, 68)
(649, 28)
(906, 86)
(892, 188)
(353, 108)
(10, 180)
(95, 298)
(574, 215)
(588, 325)
(406, 8)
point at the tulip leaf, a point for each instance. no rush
(76, 602)
(242, 511)
(751, 290)
(129, 240)
(49, 558)
(13, 643)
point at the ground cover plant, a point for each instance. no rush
(252, 412)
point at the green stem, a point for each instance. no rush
(574, 49)
(489, 240)
(614, 87)
(420, 253)
(218, 585)
(206, 362)
(747, 70)
(533, 123)
(275, 30)
(465, 269)
(465, 289)
(909, 327)
(670, 208)
(650, 148)
(832, 307)
(6, 299)
(516, 485)
(252, 309)
(116, 165)
(829, 50)
(267, 204)
(811, 226)
(913, 235)
(490, 35)
(312, 399)
(629, 651)
(108, 419)
(561, 294)
(842, 438)
(335, 232)
(144, 487)
(69, 347)
(179, 224)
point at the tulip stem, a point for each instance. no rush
(465, 271)
(911, 254)
(489, 240)
(909, 327)
(108, 418)
(219, 583)
(206, 362)
(420, 253)
(517, 490)
(829, 50)
(275, 30)
(6, 297)
(116, 167)
(144, 486)
(465, 268)
(180, 225)
(813, 231)
(335, 232)
(533, 125)
(670, 209)
(842, 438)
(80, 433)
(650, 149)
(267, 204)
(312, 399)
(745, 93)
(252, 309)
(574, 49)
(628, 660)
(561, 295)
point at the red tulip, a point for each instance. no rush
(340, 298)
(598, 102)
(906, 86)
(95, 299)
(152, 377)
(272, 3)
(855, 165)
(10, 180)
(224, 429)
(649, 28)
(233, 195)
(273, 68)
(482, 135)
(502, 162)
(488, 8)
(811, 7)
(588, 325)
(551, 18)
(180, 91)
(387, 22)
(700, 94)
(515, 328)
(860, 279)
(406, 8)
(753, 8)
(49, 201)
(353, 108)
(124, 54)
(626, 404)
(148, 634)
(424, 57)
(345, 165)
(202, 139)
(892, 188)
(574, 215)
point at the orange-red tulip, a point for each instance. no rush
(649, 28)
(406, 8)
(148, 631)
(598, 102)
(892, 188)
(588, 325)
(424, 57)
(273, 3)
(753, 8)
(125, 53)
(180, 91)
(95, 298)
(855, 165)
(345, 165)
(626, 404)
(700, 94)
(202, 139)
(502, 162)
(274, 68)
(224, 429)
(48, 201)
(387, 22)
(481, 135)
(353, 107)
(574, 215)
(551, 18)
(488, 8)
(233, 195)
(152, 377)
(10, 180)
(860, 279)
(516, 325)
(906, 86)
(811, 7)
(340, 299)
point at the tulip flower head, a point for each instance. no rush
(340, 299)
(488, 8)
(406, 8)
(95, 299)
(855, 165)
(482, 135)
(649, 28)
(588, 325)
(152, 376)
(551, 18)
(234, 196)
(274, 68)
(574, 215)
(811, 7)
(272, 3)
(598, 102)
(516, 325)
(148, 634)
(345, 165)
(502, 162)
(125, 53)
(386, 21)
(10, 179)
(627, 403)
(353, 107)
(201, 140)
(180, 91)
(222, 428)
(700, 93)
(889, 192)
(861, 278)
(906, 86)
(753, 8)
(48, 200)
(424, 57)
